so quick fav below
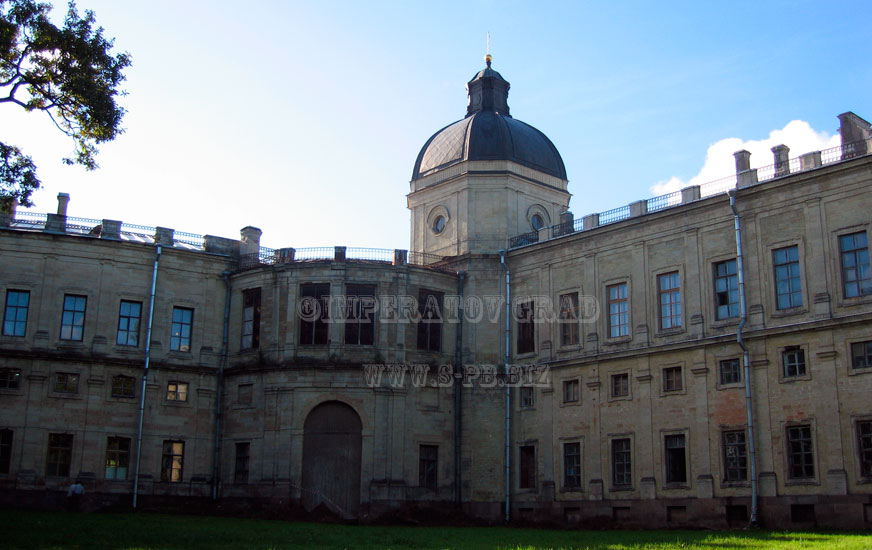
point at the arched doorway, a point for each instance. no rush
(331, 459)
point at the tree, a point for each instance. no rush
(69, 73)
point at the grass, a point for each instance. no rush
(54, 530)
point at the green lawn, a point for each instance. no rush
(26, 529)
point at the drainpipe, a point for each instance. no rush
(458, 388)
(145, 374)
(745, 356)
(508, 388)
(219, 391)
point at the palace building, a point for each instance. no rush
(700, 359)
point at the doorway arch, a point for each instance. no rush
(331, 459)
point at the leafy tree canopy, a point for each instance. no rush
(67, 72)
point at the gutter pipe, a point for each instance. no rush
(508, 388)
(458, 388)
(740, 268)
(219, 391)
(145, 375)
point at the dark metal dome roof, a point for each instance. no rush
(489, 133)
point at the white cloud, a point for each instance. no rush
(719, 161)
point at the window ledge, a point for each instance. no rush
(127, 350)
(617, 340)
(735, 484)
(577, 489)
(7, 391)
(576, 403)
(792, 379)
(663, 333)
(724, 323)
(676, 486)
(621, 489)
(627, 397)
(789, 312)
(59, 395)
(801, 482)
(667, 393)
(183, 355)
(854, 372)
(730, 386)
(569, 348)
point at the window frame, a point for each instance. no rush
(59, 457)
(169, 463)
(177, 389)
(730, 280)
(805, 367)
(618, 320)
(864, 447)
(569, 321)
(10, 379)
(124, 322)
(179, 341)
(805, 448)
(571, 396)
(242, 462)
(734, 471)
(738, 372)
(73, 318)
(572, 480)
(359, 318)
(431, 318)
(121, 456)
(676, 320)
(120, 383)
(19, 326)
(66, 383)
(853, 348)
(864, 285)
(624, 479)
(673, 379)
(527, 470)
(314, 332)
(527, 391)
(7, 437)
(673, 454)
(613, 377)
(250, 328)
(525, 321)
(789, 264)
(428, 466)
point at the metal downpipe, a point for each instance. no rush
(145, 375)
(508, 389)
(743, 314)
(458, 388)
(219, 390)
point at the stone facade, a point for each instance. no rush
(630, 409)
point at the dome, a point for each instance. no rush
(489, 133)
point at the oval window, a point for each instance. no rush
(537, 222)
(438, 224)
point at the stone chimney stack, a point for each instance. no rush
(744, 175)
(855, 134)
(782, 160)
(250, 238)
(63, 201)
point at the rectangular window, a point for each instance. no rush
(73, 318)
(569, 319)
(856, 274)
(10, 379)
(360, 315)
(793, 360)
(183, 320)
(726, 290)
(570, 391)
(527, 394)
(864, 445)
(622, 467)
(669, 289)
(619, 310)
(171, 463)
(251, 318)
(526, 332)
(672, 379)
(117, 457)
(66, 382)
(729, 371)
(572, 465)
(314, 313)
(430, 325)
(861, 355)
(60, 453)
(244, 393)
(15, 315)
(5, 450)
(177, 391)
(788, 285)
(129, 315)
(428, 461)
(123, 386)
(676, 458)
(240, 473)
(800, 457)
(620, 385)
(735, 456)
(527, 467)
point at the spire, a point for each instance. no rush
(488, 90)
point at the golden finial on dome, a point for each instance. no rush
(488, 57)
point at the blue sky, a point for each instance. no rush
(304, 119)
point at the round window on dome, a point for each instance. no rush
(439, 224)
(537, 222)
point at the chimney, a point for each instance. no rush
(250, 237)
(63, 201)
(782, 160)
(855, 135)
(744, 175)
